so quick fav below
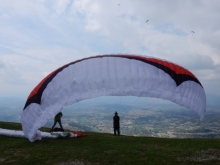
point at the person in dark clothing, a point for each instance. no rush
(116, 124)
(57, 119)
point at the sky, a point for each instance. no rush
(39, 36)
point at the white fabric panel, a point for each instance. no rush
(20, 134)
(111, 76)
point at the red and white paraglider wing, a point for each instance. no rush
(110, 75)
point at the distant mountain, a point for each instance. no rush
(120, 100)
(15, 105)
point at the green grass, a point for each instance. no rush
(105, 149)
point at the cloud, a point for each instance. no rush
(44, 35)
(2, 65)
(60, 6)
(163, 26)
(11, 75)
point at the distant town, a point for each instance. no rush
(150, 119)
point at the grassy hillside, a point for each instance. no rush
(104, 149)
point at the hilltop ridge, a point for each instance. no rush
(106, 149)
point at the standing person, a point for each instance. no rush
(57, 119)
(116, 124)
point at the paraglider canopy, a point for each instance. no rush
(110, 75)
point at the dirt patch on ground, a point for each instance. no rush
(204, 155)
(1, 159)
(77, 163)
(110, 151)
(72, 163)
